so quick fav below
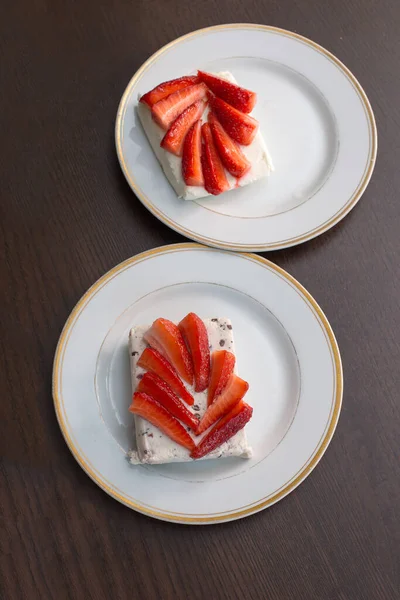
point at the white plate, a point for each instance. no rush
(315, 118)
(285, 349)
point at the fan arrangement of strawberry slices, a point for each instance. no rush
(210, 149)
(176, 355)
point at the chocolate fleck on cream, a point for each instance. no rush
(222, 342)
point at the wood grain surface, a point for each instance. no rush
(67, 216)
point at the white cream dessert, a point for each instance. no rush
(256, 153)
(152, 445)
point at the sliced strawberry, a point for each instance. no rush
(241, 127)
(196, 337)
(191, 157)
(215, 180)
(146, 407)
(224, 430)
(222, 365)
(165, 337)
(155, 387)
(167, 88)
(233, 94)
(173, 139)
(168, 109)
(232, 157)
(234, 391)
(153, 361)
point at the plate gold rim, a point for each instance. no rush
(182, 518)
(248, 247)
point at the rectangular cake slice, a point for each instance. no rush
(257, 153)
(152, 445)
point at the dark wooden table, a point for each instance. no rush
(67, 216)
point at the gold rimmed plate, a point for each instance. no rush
(314, 115)
(285, 348)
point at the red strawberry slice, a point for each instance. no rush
(191, 157)
(146, 407)
(167, 88)
(195, 335)
(153, 361)
(173, 139)
(155, 387)
(241, 127)
(232, 157)
(224, 430)
(165, 337)
(222, 365)
(168, 109)
(215, 180)
(234, 391)
(233, 94)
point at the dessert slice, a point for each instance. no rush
(153, 444)
(185, 172)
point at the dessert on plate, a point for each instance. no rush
(188, 401)
(201, 132)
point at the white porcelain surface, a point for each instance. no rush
(314, 117)
(284, 348)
